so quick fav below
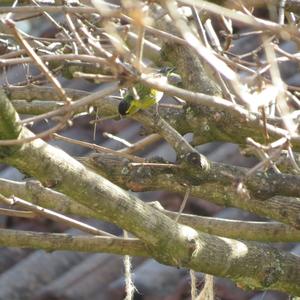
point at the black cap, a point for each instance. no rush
(123, 107)
(166, 70)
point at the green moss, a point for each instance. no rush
(9, 128)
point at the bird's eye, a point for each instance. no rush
(166, 70)
(123, 107)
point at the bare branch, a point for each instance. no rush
(182, 245)
(218, 185)
(53, 215)
(37, 60)
(61, 241)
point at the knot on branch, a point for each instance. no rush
(193, 168)
(195, 160)
(272, 274)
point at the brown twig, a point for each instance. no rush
(17, 213)
(96, 77)
(153, 165)
(51, 9)
(76, 35)
(159, 33)
(37, 60)
(97, 147)
(56, 57)
(244, 18)
(281, 11)
(53, 215)
(116, 138)
(141, 144)
(87, 100)
(212, 101)
(183, 204)
(41, 135)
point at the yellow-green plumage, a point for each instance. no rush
(147, 97)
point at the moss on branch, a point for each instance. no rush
(167, 241)
(218, 185)
(9, 128)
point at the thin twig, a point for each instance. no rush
(8, 16)
(74, 105)
(17, 213)
(37, 60)
(159, 33)
(97, 147)
(243, 18)
(183, 204)
(56, 57)
(293, 160)
(140, 46)
(268, 160)
(41, 135)
(116, 138)
(50, 9)
(141, 144)
(153, 165)
(200, 27)
(278, 143)
(77, 36)
(53, 215)
(212, 101)
(96, 77)
(281, 11)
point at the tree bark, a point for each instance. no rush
(166, 241)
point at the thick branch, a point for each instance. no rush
(34, 192)
(38, 210)
(209, 118)
(219, 112)
(242, 230)
(62, 241)
(257, 231)
(258, 184)
(185, 152)
(36, 92)
(219, 185)
(230, 254)
(206, 121)
(35, 107)
(167, 241)
(8, 127)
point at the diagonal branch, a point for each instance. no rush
(185, 152)
(62, 241)
(218, 185)
(166, 241)
(53, 215)
(258, 231)
(37, 60)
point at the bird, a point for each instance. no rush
(142, 97)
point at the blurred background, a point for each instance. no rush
(38, 275)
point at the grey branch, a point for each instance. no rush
(167, 241)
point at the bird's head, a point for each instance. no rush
(123, 107)
(166, 71)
